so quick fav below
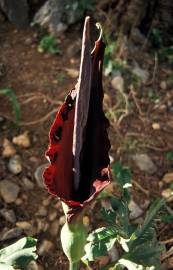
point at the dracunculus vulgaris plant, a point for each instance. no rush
(78, 148)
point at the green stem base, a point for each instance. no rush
(74, 266)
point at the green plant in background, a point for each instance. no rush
(78, 7)
(165, 53)
(141, 250)
(19, 254)
(16, 106)
(110, 62)
(48, 44)
(169, 155)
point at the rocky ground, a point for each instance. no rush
(140, 110)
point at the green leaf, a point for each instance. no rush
(146, 227)
(146, 254)
(16, 106)
(6, 267)
(102, 234)
(123, 175)
(109, 216)
(167, 218)
(100, 241)
(169, 155)
(20, 253)
(131, 265)
(48, 44)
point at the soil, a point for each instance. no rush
(41, 81)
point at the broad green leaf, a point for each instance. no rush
(109, 216)
(102, 233)
(16, 106)
(6, 267)
(20, 253)
(132, 266)
(100, 241)
(146, 226)
(97, 249)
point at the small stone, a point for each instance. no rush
(45, 247)
(9, 191)
(103, 260)
(54, 228)
(168, 194)
(42, 226)
(168, 178)
(86, 221)
(33, 265)
(27, 183)
(144, 163)
(52, 215)
(46, 202)
(26, 226)
(28, 41)
(156, 126)
(19, 201)
(10, 234)
(73, 73)
(118, 83)
(9, 215)
(22, 140)
(135, 210)
(8, 149)
(42, 211)
(113, 254)
(39, 174)
(62, 220)
(143, 74)
(163, 85)
(14, 165)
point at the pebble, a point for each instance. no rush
(28, 41)
(168, 178)
(118, 83)
(9, 215)
(54, 228)
(42, 211)
(163, 85)
(86, 221)
(143, 74)
(103, 260)
(26, 226)
(19, 201)
(73, 73)
(12, 233)
(15, 165)
(168, 194)
(9, 191)
(27, 183)
(135, 210)
(46, 202)
(22, 140)
(33, 265)
(42, 226)
(113, 254)
(144, 163)
(39, 174)
(156, 126)
(45, 247)
(62, 220)
(52, 215)
(8, 149)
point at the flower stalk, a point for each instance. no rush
(73, 239)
